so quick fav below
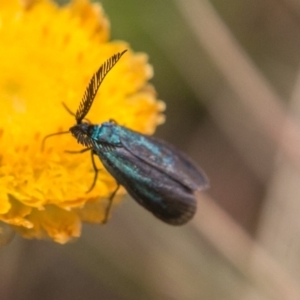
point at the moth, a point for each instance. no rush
(155, 174)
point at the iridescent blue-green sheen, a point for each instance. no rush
(155, 174)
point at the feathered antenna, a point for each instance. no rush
(91, 90)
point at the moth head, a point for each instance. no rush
(83, 133)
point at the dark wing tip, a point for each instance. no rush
(203, 181)
(179, 213)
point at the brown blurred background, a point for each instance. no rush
(229, 72)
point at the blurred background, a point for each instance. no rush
(229, 72)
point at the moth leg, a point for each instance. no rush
(110, 201)
(95, 169)
(93, 163)
(78, 151)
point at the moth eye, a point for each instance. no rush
(90, 130)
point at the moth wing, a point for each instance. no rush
(167, 199)
(164, 158)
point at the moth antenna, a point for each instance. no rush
(92, 89)
(50, 135)
(68, 109)
(71, 113)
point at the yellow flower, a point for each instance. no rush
(48, 55)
